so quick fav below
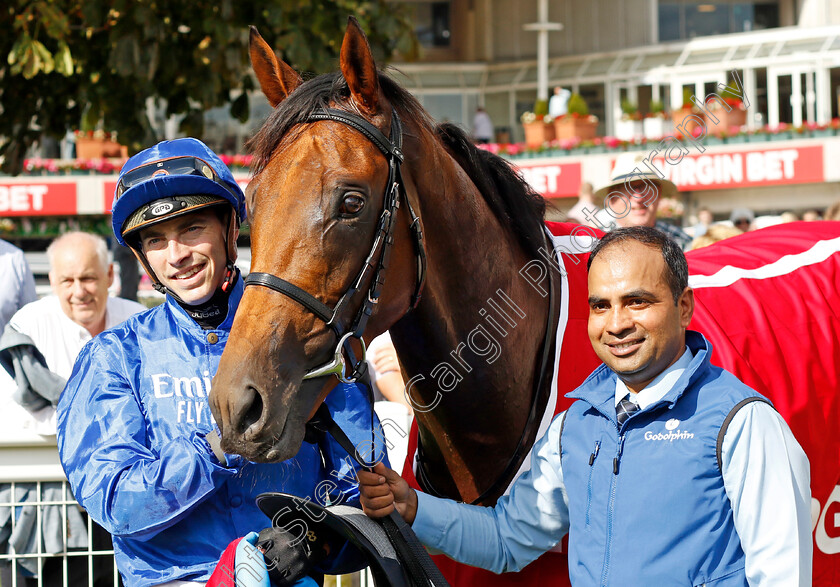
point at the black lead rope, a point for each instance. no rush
(421, 571)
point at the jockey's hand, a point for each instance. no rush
(384, 489)
(289, 557)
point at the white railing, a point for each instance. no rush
(34, 496)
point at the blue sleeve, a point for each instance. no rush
(102, 441)
(352, 411)
(521, 526)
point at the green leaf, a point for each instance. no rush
(46, 58)
(64, 60)
(31, 63)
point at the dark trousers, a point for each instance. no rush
(52, 569)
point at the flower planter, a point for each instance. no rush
(822, 132)
(93, 148)
(538, 132)
(781, 136)
(628, 130)
(683, 124)
(737, 139)
(569, 127)
(736, 117)
(656, 127)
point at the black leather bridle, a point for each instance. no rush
(391, 147)
(375, 263)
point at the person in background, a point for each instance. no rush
(37, 350)
(558, 104)
(386, 376)
(135, 433)
(585, 210)
(42, 340)
(632, 195)
(789, 216)
(833, 212)
(811, 215)
(742, 219)
(704, 221)
(18, 283)
(483, 131)
(715, 233)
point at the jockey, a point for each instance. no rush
(135, 434)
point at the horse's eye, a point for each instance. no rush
(351, 205)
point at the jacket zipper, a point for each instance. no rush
(592, 458)
(613, 486)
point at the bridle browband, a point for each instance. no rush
(391, 147)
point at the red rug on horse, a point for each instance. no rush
(768, 303)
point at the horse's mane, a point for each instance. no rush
(510, 198)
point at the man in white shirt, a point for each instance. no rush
(558, 104)
(667, 471)
(58, 326)
(38, 349)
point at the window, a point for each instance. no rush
(687, 19)
(431, 22)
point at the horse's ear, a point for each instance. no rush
(359, 69)
(277, 79)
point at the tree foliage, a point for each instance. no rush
(70, 64)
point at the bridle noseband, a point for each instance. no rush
(391, 147)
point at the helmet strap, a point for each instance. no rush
(230, 276)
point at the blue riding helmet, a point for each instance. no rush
(171, 179)
(178, 176)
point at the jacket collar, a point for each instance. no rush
(598, 389)
(233, 302)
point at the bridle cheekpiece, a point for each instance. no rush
(376, 262)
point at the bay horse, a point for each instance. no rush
(456, 262)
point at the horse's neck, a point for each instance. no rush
(472, 348)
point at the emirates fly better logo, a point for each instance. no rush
(671, 434)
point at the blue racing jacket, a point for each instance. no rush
(131, 426)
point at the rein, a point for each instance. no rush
(521, 446)
(391, 147)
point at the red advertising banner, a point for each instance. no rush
(38, 198)
(753, 167)
(550, 179)
(110, 187)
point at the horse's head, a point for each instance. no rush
(315, 205)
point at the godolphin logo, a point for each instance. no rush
(161, 209)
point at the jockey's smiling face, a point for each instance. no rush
(188, 254)
(634, 325)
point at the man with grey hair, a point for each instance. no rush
(38, 349)
(42, 339)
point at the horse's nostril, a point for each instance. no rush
(251, 413)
